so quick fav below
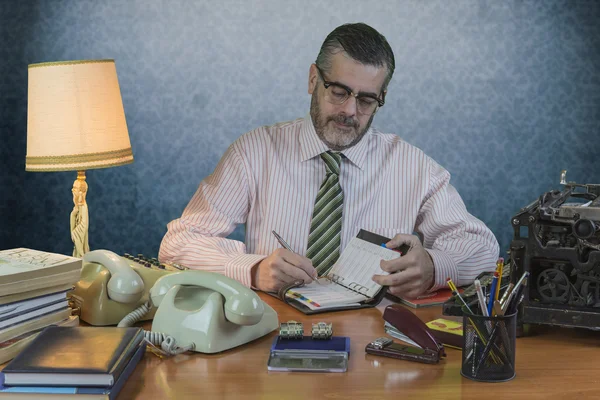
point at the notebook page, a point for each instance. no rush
(357, 265)
(324, 295)
(351, 276)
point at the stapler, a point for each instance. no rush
(402, 324)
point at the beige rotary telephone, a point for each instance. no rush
(110, 287)
(197, 310)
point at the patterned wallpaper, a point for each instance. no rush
(504, 94)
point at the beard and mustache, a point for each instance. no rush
(334, 137)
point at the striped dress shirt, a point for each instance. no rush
(268, 179)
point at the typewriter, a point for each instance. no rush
(557, 240)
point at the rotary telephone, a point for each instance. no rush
(191, 310)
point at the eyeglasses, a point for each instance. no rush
(335, 93)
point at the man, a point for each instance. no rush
(317, 181)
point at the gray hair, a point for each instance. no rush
(362, 43)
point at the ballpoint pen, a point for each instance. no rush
(287, 247)
(497, 309)
(514, 304)
(481, 298)
(282, 242)
(506, 293)
(515, 292)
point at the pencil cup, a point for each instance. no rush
(489, 347)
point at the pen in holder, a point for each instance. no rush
(489, 347)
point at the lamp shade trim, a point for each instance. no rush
(74, 62)
(79, 162)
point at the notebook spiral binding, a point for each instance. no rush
(355, 287)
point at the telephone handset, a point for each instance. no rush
(110, 286)
(124, 286)
(241, 305)
(202, 311)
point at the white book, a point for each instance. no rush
(31, 293)
(33, 314)
(20, 307)
(33, 324)
(25, 269)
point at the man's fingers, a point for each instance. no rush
(405, 291)
(293, 273)
(294, 267)
(396, 279)
(395, 265)
(401, 239)
(278, 277)
(398, 286)
(301, 263)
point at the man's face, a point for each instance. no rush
(340, 126)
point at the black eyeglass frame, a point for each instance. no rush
(327, 84)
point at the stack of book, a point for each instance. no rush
(74, 363)
(33, 295)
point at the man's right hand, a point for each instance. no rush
(282, 267)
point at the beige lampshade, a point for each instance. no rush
(75, 117)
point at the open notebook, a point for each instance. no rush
(348, 285)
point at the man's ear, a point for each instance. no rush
(312, 78)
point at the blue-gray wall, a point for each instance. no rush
(504, 94)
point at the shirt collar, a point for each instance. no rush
(311, 146)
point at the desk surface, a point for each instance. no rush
(554, 363)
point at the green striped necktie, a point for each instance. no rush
(326, 226)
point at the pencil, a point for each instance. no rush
(455, 292)
(499, 268)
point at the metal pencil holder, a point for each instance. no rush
(489, 347)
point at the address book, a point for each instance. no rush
(348, 285)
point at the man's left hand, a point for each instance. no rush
(412, 273)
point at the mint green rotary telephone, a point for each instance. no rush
(197, 310)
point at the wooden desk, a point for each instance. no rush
(555, 363)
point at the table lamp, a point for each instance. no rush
(76, 122)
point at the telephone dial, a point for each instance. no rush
(191, 310)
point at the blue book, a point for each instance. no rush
(88, 393)
(74, 357)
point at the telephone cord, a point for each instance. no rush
(167, 343)
(135, 316)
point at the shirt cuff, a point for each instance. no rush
(444, 268)
(240, 267)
